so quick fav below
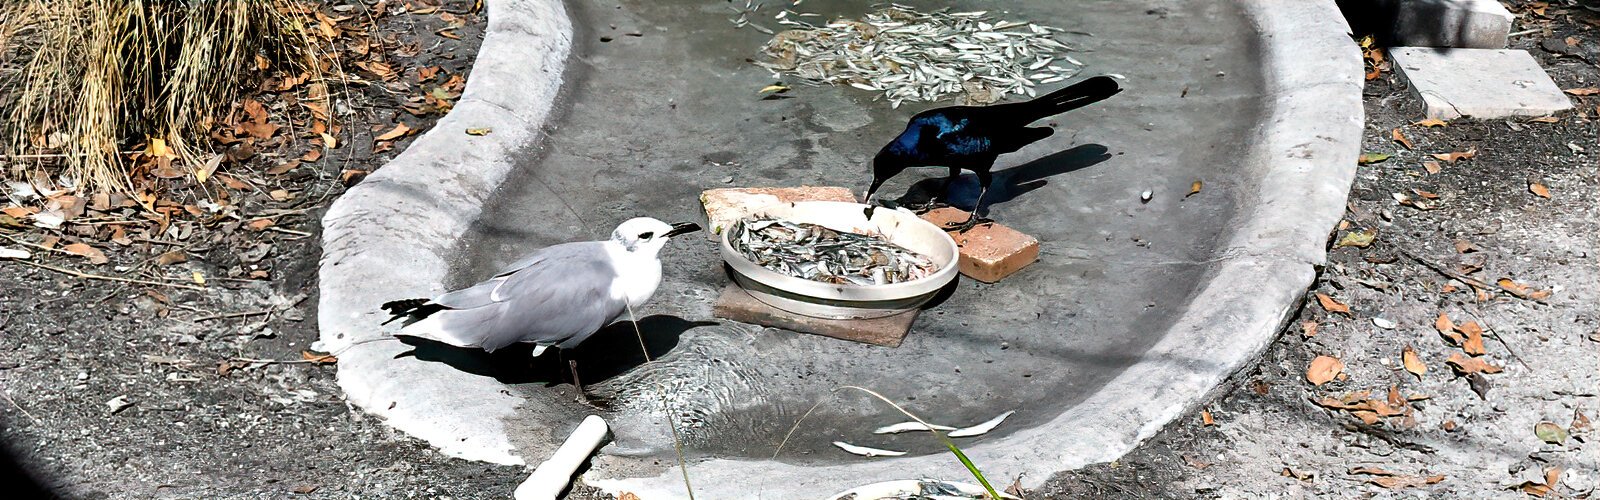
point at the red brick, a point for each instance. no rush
(989, 252)
(723, 206)
(737, 305)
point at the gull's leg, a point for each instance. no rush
(583, 396)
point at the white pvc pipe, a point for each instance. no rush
(553, 475)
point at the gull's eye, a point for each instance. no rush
(646, 235)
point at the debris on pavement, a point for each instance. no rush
(909, 55)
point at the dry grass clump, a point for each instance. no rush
(83, 82)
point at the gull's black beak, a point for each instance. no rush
(682, 228)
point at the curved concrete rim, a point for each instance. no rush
(388, 236)
(1307, 145)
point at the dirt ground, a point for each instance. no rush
(119, 390)
(1270, 436)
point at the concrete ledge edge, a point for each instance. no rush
(387, 237)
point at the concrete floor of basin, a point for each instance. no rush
(647, 122)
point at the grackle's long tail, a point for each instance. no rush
(1072, 97)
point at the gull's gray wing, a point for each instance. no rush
(558, 295)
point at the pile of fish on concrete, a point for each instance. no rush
(916, 56)
(816, 253)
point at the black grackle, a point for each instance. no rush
(971, 137)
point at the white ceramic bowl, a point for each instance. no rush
(830, 301)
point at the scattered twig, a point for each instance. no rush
(18, 407)
(1496, 336)
(84, 275)
(288, 231)
(274, 361)
(1464, 279)
(232, 315)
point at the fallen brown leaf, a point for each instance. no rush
(1431, 166)
(1331, 305)
(1522, 290)
(399, 130)
(1545, 119)
(172, 257)
(626, 495)
(350, 176)
(1464, 364)
(1432, 122)
(232, 183)
(1472, 343)
(1323, 369)
(1194, 188)
(1400, 138)
(1535, 489)
(260, 224)
(1402, 482)
(1447, 328)
(1412, 362)
(1205, 418)
(318, 358)
(1308, 328)
(1456, 156)
(1303, 476)
(1539, 190)
(283, 168)
(1583, 91)
(94, 255)
(1370, 471)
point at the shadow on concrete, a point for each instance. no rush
(610, 352)
(1398, 23)
(1010, 183)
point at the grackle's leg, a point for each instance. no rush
(941, 192)
(973, 220)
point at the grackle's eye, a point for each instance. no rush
(646, 235)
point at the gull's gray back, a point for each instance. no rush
(558, 295)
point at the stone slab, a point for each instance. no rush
(989, 252)
(1478, 83)
(735, 304)
(1476, 24)
(723, 206)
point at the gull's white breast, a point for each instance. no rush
(638, 274)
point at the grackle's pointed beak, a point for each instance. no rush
(682, 228)
(873, 189)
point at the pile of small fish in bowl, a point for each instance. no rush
(816, 253)
(826, 259)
